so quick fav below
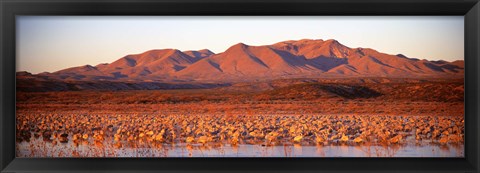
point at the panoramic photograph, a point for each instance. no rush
(240, 86)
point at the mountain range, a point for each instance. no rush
(305, 58)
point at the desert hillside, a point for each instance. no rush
(289, 59)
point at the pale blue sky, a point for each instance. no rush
(51, 43)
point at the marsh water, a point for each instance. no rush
(39, 148)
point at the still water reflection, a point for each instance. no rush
(40, 148)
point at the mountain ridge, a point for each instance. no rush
(311, 58)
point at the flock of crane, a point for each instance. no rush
(149, 130)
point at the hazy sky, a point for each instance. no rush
(51, 43)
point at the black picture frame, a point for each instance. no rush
(470, 9)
